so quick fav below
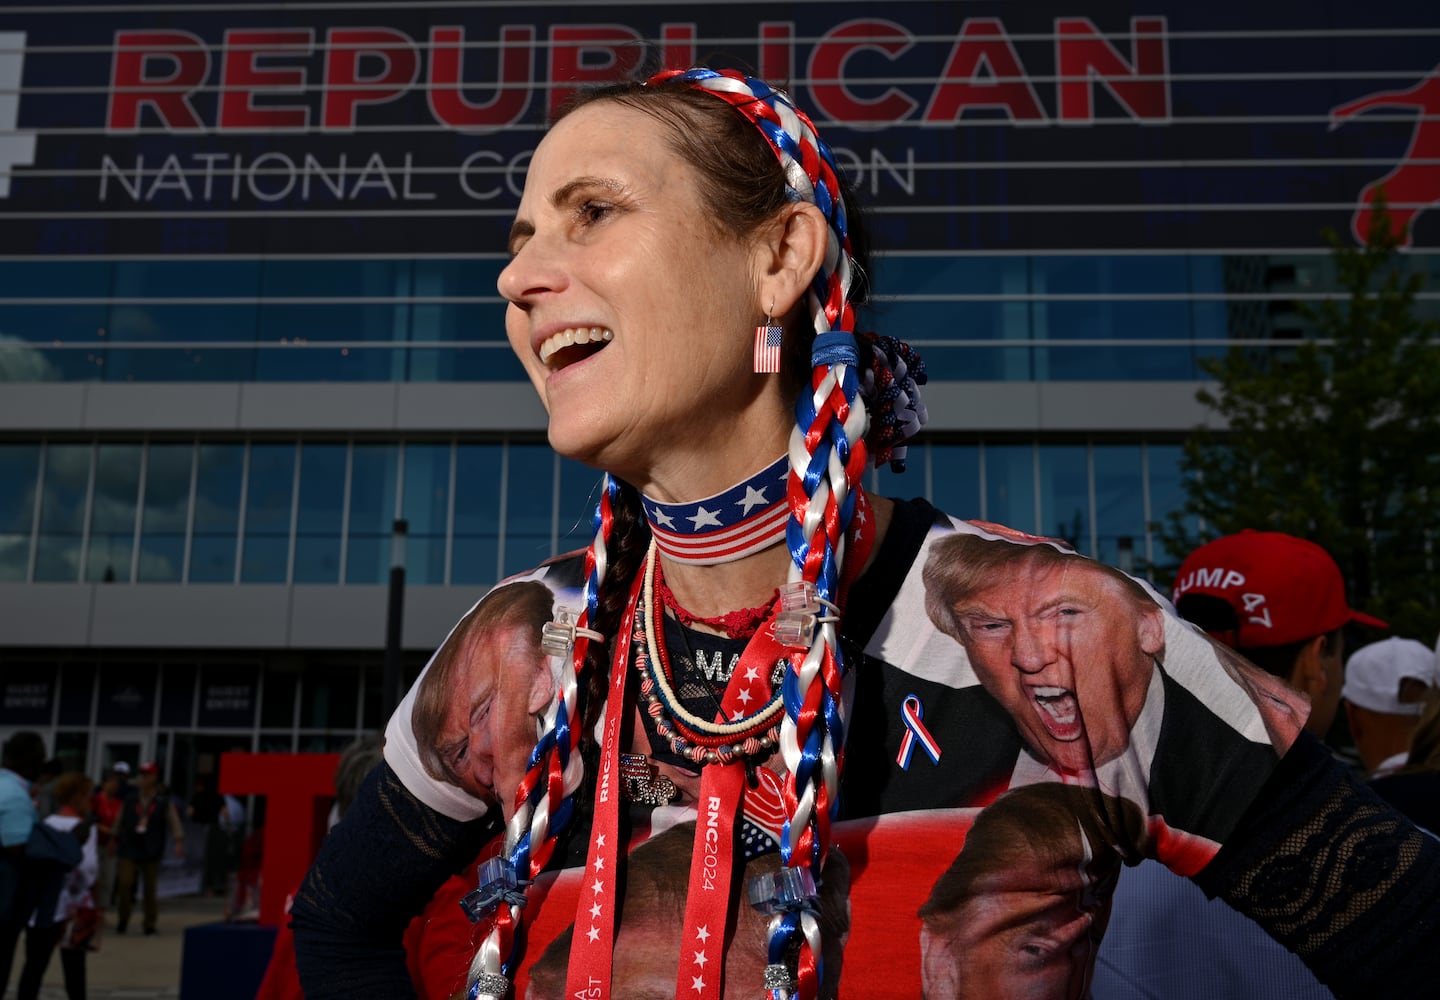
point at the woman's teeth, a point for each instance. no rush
(574, 335)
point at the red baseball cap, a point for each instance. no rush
(1283, 589)
(149, 767)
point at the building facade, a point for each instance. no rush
(248, 315)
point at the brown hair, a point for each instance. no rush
(529, 604)
(961, 565)
(1425, 740)
(1045, 821)
(73, 789)
(656, 884)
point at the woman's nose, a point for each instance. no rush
(533, 270)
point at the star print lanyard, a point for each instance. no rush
(722, 792)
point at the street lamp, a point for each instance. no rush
(393, 675)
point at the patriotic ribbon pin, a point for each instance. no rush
(911, 714)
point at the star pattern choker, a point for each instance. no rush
(746, 518)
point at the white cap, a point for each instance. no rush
(120, 767)
(1376, 676)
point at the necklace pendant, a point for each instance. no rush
(640, 782)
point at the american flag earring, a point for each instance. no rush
(768, 337)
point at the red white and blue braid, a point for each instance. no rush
(827, 462)
(544, 802)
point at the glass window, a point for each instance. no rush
(529, 506)
(952, 472)
(77, 693)
(1065, 494)
(475, 553)
(1167, 495)
(112, 518)
(217, 513)
(322, 499)
(426, 511)
(490, 361)
(1119, 504)
(1010, 485)
(19, 475)
(373, 474)
(580, 488)
(177, 695)
(338, 320)
(167, 509)
(62, 511)
(127, 696)
(269, 495)
(67, 321)
(277, 706)
(160, 321)
(331, 697)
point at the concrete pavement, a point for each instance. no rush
(131, 966)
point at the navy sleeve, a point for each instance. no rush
(377, 869)
(1337, 876)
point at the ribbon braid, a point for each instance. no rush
(544, 802)
(827, 461)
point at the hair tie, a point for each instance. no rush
(835, 348)
(891, 389)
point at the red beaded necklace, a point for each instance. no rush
(739, 624)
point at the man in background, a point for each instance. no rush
(1386, 684)
(1280, 602)
(148, 812)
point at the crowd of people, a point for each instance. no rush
(773, 734)
(75, 850)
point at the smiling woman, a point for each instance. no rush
(745, 641)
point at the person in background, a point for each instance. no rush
(1414, 788)
(204, 809)
(105, 807)
(43, 791)
(1386, 684)
(69, 921)
(20, 763)
(143, 822)
(1279, 601)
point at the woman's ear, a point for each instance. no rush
(790, 253)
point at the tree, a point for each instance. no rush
(1336, 440)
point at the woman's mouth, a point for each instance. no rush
(572, 344)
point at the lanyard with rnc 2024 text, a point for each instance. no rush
(722, 793)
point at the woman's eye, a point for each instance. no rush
(592, 212)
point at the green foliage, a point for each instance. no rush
(1336, 440)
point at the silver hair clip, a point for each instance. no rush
(499, 883)
(789, 890)
(557, 638)
(800, 612)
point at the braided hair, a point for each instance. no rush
(838, 384)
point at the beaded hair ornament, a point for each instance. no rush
(828, 456)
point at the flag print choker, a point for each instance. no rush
(747, 518)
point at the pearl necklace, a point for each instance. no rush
(690, 736)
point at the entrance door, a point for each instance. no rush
(111, 746)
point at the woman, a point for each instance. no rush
(71, 921)
(684, 271)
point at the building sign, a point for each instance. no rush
(978, 126)
(227, 697)
(27, 696)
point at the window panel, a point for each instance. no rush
(529, 506)
(317, 529)
(19, 477)
(373, 474)
(475, 551)
(1119, 503)
(112, 518)
(1010, 485)
(62, 512)
(579, 495)
(1065, 494)
(217, 513)
(426, 510)
(269, 493)
(954, 475)
(166, 511)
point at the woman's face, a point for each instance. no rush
(631, 309)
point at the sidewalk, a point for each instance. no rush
(132, 966)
